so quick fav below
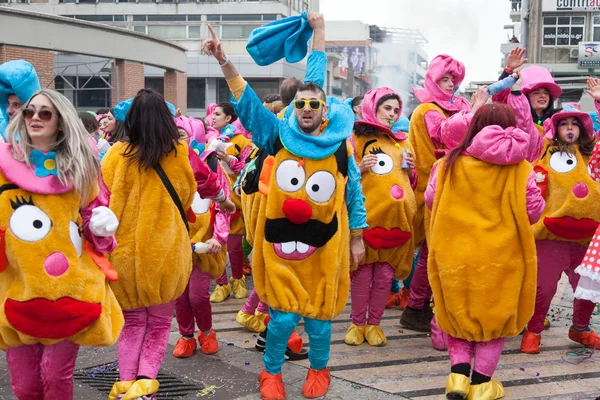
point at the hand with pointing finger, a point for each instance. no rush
(212, 46)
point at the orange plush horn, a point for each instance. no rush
(265, 175)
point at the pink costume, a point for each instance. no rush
(194, 303)
(501, 147)
(41, 371)
(254, 303)
(438, 128)
(563, 253)
(144, 338)
(450, 132)
(371, 282)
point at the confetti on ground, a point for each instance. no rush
(207, 391)
(522, 369)
(401, 331)
(230, 344)
(247, 363)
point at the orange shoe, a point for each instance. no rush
(295, 342)
(317, 383)
(246, 268)
(185, 347)
(208, 343)
(393, 300)
(530, 343)
(404, 293)
(587, 338)
(271, 386)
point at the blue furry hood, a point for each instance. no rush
(17, 77)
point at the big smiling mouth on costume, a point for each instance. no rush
(298, 241)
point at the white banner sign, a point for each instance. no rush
(570, 5)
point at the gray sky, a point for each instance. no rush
(469, 30)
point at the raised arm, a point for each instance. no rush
(263, 124)
(316, 66)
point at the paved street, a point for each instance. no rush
(408, 367)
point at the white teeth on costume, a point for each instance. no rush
(290, 247)
(302, 247)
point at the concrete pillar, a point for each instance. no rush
(127, 78)
(176, 89)
(42, 61)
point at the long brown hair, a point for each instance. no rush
(489, 114)
(151, 129)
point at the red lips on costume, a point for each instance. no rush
(47, 319)
(381, 238)
(571, 228)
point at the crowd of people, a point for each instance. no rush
(464, 215)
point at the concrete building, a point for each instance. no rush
(183, 23)
(554, 33)
(118, 77)
(363, 56)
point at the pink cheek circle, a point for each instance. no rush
(397, 192)
(580, 190)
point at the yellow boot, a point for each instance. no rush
(375, 336)
(261, 315)
(239, 287)
(491, 390)
(119, 388)
(143, 387)
(457, 386)
(547, 323)
(250, 321)
(355, 335)
(220, 294)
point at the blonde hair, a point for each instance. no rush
(76, 162)
(275, 106)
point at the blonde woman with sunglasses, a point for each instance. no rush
(54, 228)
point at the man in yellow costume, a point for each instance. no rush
(311, 219)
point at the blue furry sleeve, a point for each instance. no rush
(316, 68)
(355, 201)
(263, 124)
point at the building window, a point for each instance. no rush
(563, 31)
(237, 31)
(196, 93)
(85, 92)
(168, 18)
(155, 83)
(194, 32)
(140, 29)
(596, 28)
(167, 32)
(241, 17)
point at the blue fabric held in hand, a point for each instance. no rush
(286, 37)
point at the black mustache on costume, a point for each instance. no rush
(313, 233)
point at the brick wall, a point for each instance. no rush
(42, 60)
(176, 89)
(131, 79)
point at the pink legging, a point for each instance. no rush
(370, 288)
(487, 354)
(253, 303)
(236, 259)
(194, 303)
(143, 340)
(420, 291)
(39, 372)
(554, 258)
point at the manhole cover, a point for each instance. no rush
(102, 378)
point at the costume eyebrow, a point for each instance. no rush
(8, 186)
(370, 142)
(376, 150)
(21, 201)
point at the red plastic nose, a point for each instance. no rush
(297, 211)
